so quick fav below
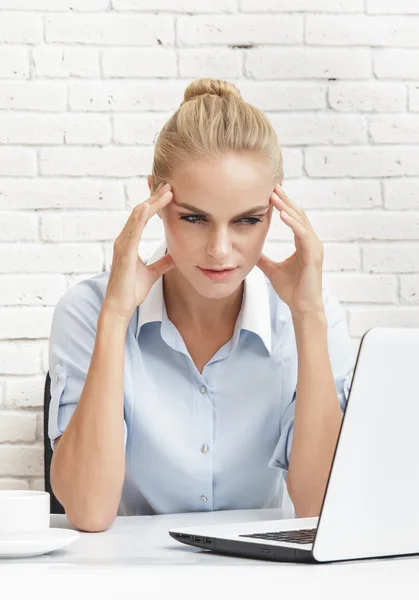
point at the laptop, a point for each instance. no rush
(371, 505)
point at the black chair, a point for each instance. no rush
(55, 506)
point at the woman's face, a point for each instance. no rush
(219, 217)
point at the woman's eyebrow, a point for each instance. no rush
(205, 214)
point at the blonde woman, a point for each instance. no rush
(206, 377)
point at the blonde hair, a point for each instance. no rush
(212, 120)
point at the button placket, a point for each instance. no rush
(204, 432)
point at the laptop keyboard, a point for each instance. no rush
(297, 536)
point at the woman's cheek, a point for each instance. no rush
(259, 242)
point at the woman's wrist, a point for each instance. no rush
(108, 315)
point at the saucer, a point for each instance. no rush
(19, 545)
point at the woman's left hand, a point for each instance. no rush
(298, 279)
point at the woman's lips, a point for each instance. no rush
(218, 275)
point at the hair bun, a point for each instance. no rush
(211, 87)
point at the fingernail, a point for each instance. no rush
(165, 187)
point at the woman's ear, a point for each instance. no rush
(150, 182)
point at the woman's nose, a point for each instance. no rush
(219, 245)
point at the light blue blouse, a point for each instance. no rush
(195, 442)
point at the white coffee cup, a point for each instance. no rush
(24, 511)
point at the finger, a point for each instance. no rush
(161, 266)
(140, 215)
(155, 203)
(280, 192)
(137, 221)
(281, 205)
(299, 230)
(160, 202)
(266, 264)
(160, 190)
(158, 196)
(163, 192)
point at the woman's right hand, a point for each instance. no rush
(130, 279)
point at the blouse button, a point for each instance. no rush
(204, 449)
(202, 389)
(204, 498)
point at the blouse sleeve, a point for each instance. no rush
(71, 343)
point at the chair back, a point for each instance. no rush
(55, 506)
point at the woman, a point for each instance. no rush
(179, 385)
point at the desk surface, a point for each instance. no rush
(138, 553)
(145, 540)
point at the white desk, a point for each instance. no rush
(137, 556)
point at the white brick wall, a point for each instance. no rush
(85, 85)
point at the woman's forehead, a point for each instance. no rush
(226, 178)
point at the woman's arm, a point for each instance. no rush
(88, 463)
(318, 417)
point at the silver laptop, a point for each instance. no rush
(371, 505)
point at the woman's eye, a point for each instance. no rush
(251, 220)
(192, 219)
(198, 219)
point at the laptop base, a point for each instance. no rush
(253, 550)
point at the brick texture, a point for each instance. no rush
(85, 87)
